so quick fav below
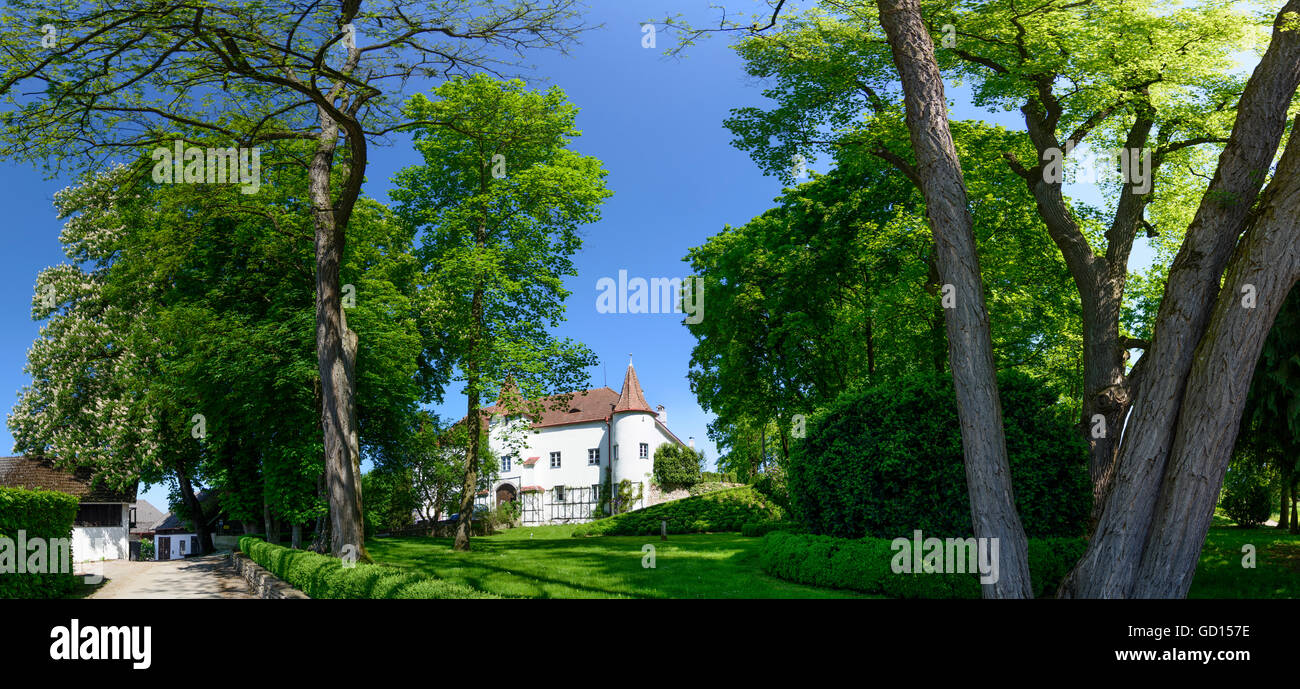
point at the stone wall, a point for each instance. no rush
(263, 583)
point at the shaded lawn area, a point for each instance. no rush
(552, 564)
(546, 562)
(1220, 573)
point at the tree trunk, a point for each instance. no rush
(1109, 568)
(1284, 498)
(1267, 262)
(970, 348)
(296, 537)
(272, 524)
(1295, 503)
(195, 508)
(474, 419)
(335, 349)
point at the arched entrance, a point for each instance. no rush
(506, 493)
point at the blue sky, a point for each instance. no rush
(656, 124)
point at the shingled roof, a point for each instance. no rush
(35, 473)
(633, 398)
(588, 405)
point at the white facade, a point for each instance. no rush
(94, 543)
(174, 546)
(556, 469)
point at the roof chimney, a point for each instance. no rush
(663, 415)
(692, 441)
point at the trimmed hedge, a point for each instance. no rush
(322, 576)
(864, 565)
(723, 510)
(755, 529)
(42, 514)
(886, 461)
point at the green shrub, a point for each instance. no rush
(677, 466)
(774, 485)
(865, 565)
(754, 529)
(44, 514)
(322, 576)
(1246, 498)
(146, 549)
(719, 476)
(724, 510)
(708, 487)
(888, 460)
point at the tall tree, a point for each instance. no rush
(114, 77)
(193, 313)
(1222, 293)
(500, 198)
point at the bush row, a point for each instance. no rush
(44, 514)
(322, 576)
(723, 510)
(864, 565)
(755, 529)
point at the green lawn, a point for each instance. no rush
(545, 562)
(1277, 565)
(551, 564)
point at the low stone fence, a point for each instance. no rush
(263, 583)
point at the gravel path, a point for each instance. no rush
(208, 576)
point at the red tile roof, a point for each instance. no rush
(588, 405)
(532, 489)
(531, 461)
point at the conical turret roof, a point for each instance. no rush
(632, 398)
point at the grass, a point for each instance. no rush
(546, 562)
(1220, 573)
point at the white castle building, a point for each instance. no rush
(556, 469)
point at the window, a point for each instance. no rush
(181, 543)
(99, 515)
(555, 460)
(559, 492)
(593, 456)
(616, 453)
(505, 463)
(645, 451)
(595, 492)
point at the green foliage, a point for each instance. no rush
(677, 466)
(754, 529)
(719, 476)
(390, 500)
(724, 510)
(775, 485)
(43, 514)
(888, 460)
(1270, 423)
(1246, 497)
(146, 549)
(322, 576)
(865, 565)
(708, 487)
